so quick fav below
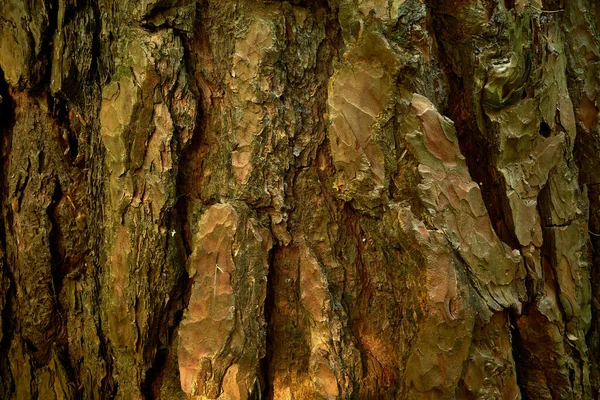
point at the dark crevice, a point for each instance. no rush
(180, 294)
(587, 157)
(545, 130)
(518, 352)
(557, 225)
(478, 152)
(7, 121)
(593, 334)
(187, 176)
(59, 268)
(8, 328)
(151, 386)
(276, 329)
(190, 165)
(70, 121)
(355, 233)
(265, 362)
(62, 353)
(7, 285)
(96, 74)
(95, 186)
(96, 193)
(178, 301)
(156, 11)
(77, 83)
(94, 263)
(170, 319)
(44, 59)
(109, 385)
(477, 147)
(56, 259)
(82, 93)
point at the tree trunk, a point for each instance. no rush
(300, 199)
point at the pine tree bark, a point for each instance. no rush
(299, 199)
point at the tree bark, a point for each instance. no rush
(299, 199)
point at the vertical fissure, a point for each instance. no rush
(178, 300)
(6, 279)
(266, 391)
(278, 316)
(96, 259)
(519, 353)
(593, 336)
(44, 59)
(57, 261)
(479, 156)
(165, 362)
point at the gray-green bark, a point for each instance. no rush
(304, 199)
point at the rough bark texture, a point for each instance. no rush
(302, 199)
